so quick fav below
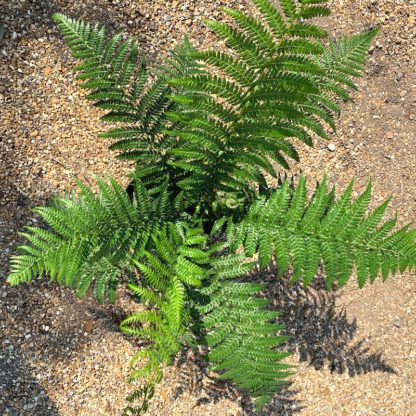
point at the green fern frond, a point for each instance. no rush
(242, 334)
(92, 238)
(343, 60)
(177, 263)
(300, 233)
(277, 83)
(120, 82)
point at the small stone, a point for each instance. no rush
(389, 135)
(399, 76)
(403, 93)
(34, 133)
(89, 326)
(331, 147)
(397, 323)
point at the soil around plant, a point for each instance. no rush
(355, 349)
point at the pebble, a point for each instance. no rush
(331, 147)
(399, 76)
(389, 135)
(89, 326)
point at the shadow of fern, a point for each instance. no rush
(196, 378)
(284, 403)
(321, 332)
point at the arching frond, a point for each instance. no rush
(120, 82)
(241, 333)
(91, 238)
(276, 83)
(303, 233)
(176, 263)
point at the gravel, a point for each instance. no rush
(331, 147)
(62, 356)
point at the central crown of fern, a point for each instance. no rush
(209, 130)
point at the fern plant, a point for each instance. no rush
(209, 130)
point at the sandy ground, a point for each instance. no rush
(61, 356)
